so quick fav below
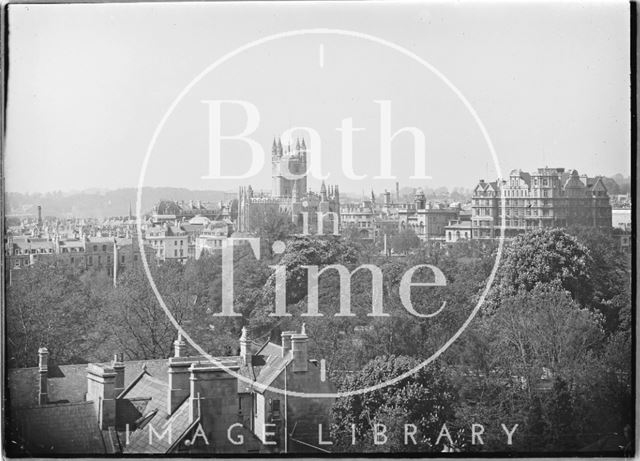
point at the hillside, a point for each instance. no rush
(102, 204)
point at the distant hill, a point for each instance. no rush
(102, 204)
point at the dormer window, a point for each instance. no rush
(142, 421)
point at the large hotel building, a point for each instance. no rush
(550, 197)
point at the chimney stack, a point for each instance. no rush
(118, 368)
(245, 348)
(286, 342)
(179, 346)
(101, 391)
(213, 398)
(43, 369)
(299, 348)
(178, 382)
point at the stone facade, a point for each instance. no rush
(289, 192)
(550, 197)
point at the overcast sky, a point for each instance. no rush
(88, 85)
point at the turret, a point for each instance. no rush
(323, 192)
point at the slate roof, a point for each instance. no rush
(268, 363)
(68, 382)
(155, 393)
(61, 429)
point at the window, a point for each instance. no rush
(175, 252)
(104, 247)
(122, 258)
(72, 260)
(135, 257)
(90, 260)
(95, 247)
(175, 242)
(275, 406)
(181, 242)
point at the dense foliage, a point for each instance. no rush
(550, 351)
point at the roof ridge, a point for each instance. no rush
(57, 405)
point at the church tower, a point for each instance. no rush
(287, 168)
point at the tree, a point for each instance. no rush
(533, 339)
(405, 241)
(140, 327)
(423, 399)
(560, 432)
(610, 272)
(47, 305)
(270, 224)
(544, 256)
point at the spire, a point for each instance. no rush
(274, 148)
(297, 145)
(279, 148)
(323, 192)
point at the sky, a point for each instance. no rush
(89, 85)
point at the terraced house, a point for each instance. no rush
(550, 197)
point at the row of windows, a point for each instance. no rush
(90, 260)
(32, 251)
